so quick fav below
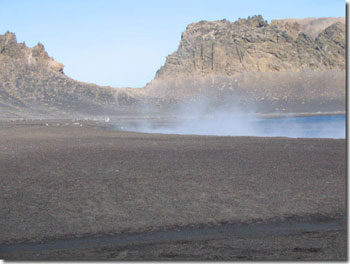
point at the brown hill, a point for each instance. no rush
(226, 48)
(310, 26)
(286, 66)
(33, 84)
(257, 65)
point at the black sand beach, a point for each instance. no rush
(64, 180)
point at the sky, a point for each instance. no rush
(123, 43)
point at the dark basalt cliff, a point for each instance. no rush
(33, 84)
(261, 66)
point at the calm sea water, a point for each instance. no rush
(330, 126)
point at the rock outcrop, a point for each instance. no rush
(288, 65)
(226, 48)
(310, 26)
(267, 67)
(34, 84)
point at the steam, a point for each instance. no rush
(207, 119)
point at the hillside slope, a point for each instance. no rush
(258, 66)
(286, 66)
(32, 83)
(310, 26)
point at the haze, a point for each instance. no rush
(200, 118)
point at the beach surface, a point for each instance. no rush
(66, 180)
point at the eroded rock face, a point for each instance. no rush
(36, 55)
(285, 66)
(226, 48)
(31, 81)
(310, 26)
(217, 54)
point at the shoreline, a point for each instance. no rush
(102, 118)
(272, 115)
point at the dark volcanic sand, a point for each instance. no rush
(63, 180)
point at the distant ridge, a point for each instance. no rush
(289, 65)
(310, 26)
(274, 67)
(227, 48)
(34, 84)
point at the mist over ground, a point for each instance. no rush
(202, 118)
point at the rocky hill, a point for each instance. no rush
(34, 84)
(284, 66)
(288, 65)
(310, 26)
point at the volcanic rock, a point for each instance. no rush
(34, 84)
(264, 67)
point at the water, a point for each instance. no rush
(330, 126)
(326, 126)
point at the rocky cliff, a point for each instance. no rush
(284, 66)
(34, 84)
(310, 26)
(288, 65)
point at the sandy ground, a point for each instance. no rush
(306, 246)
(63, 179)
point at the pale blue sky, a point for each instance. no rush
(123, 43)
